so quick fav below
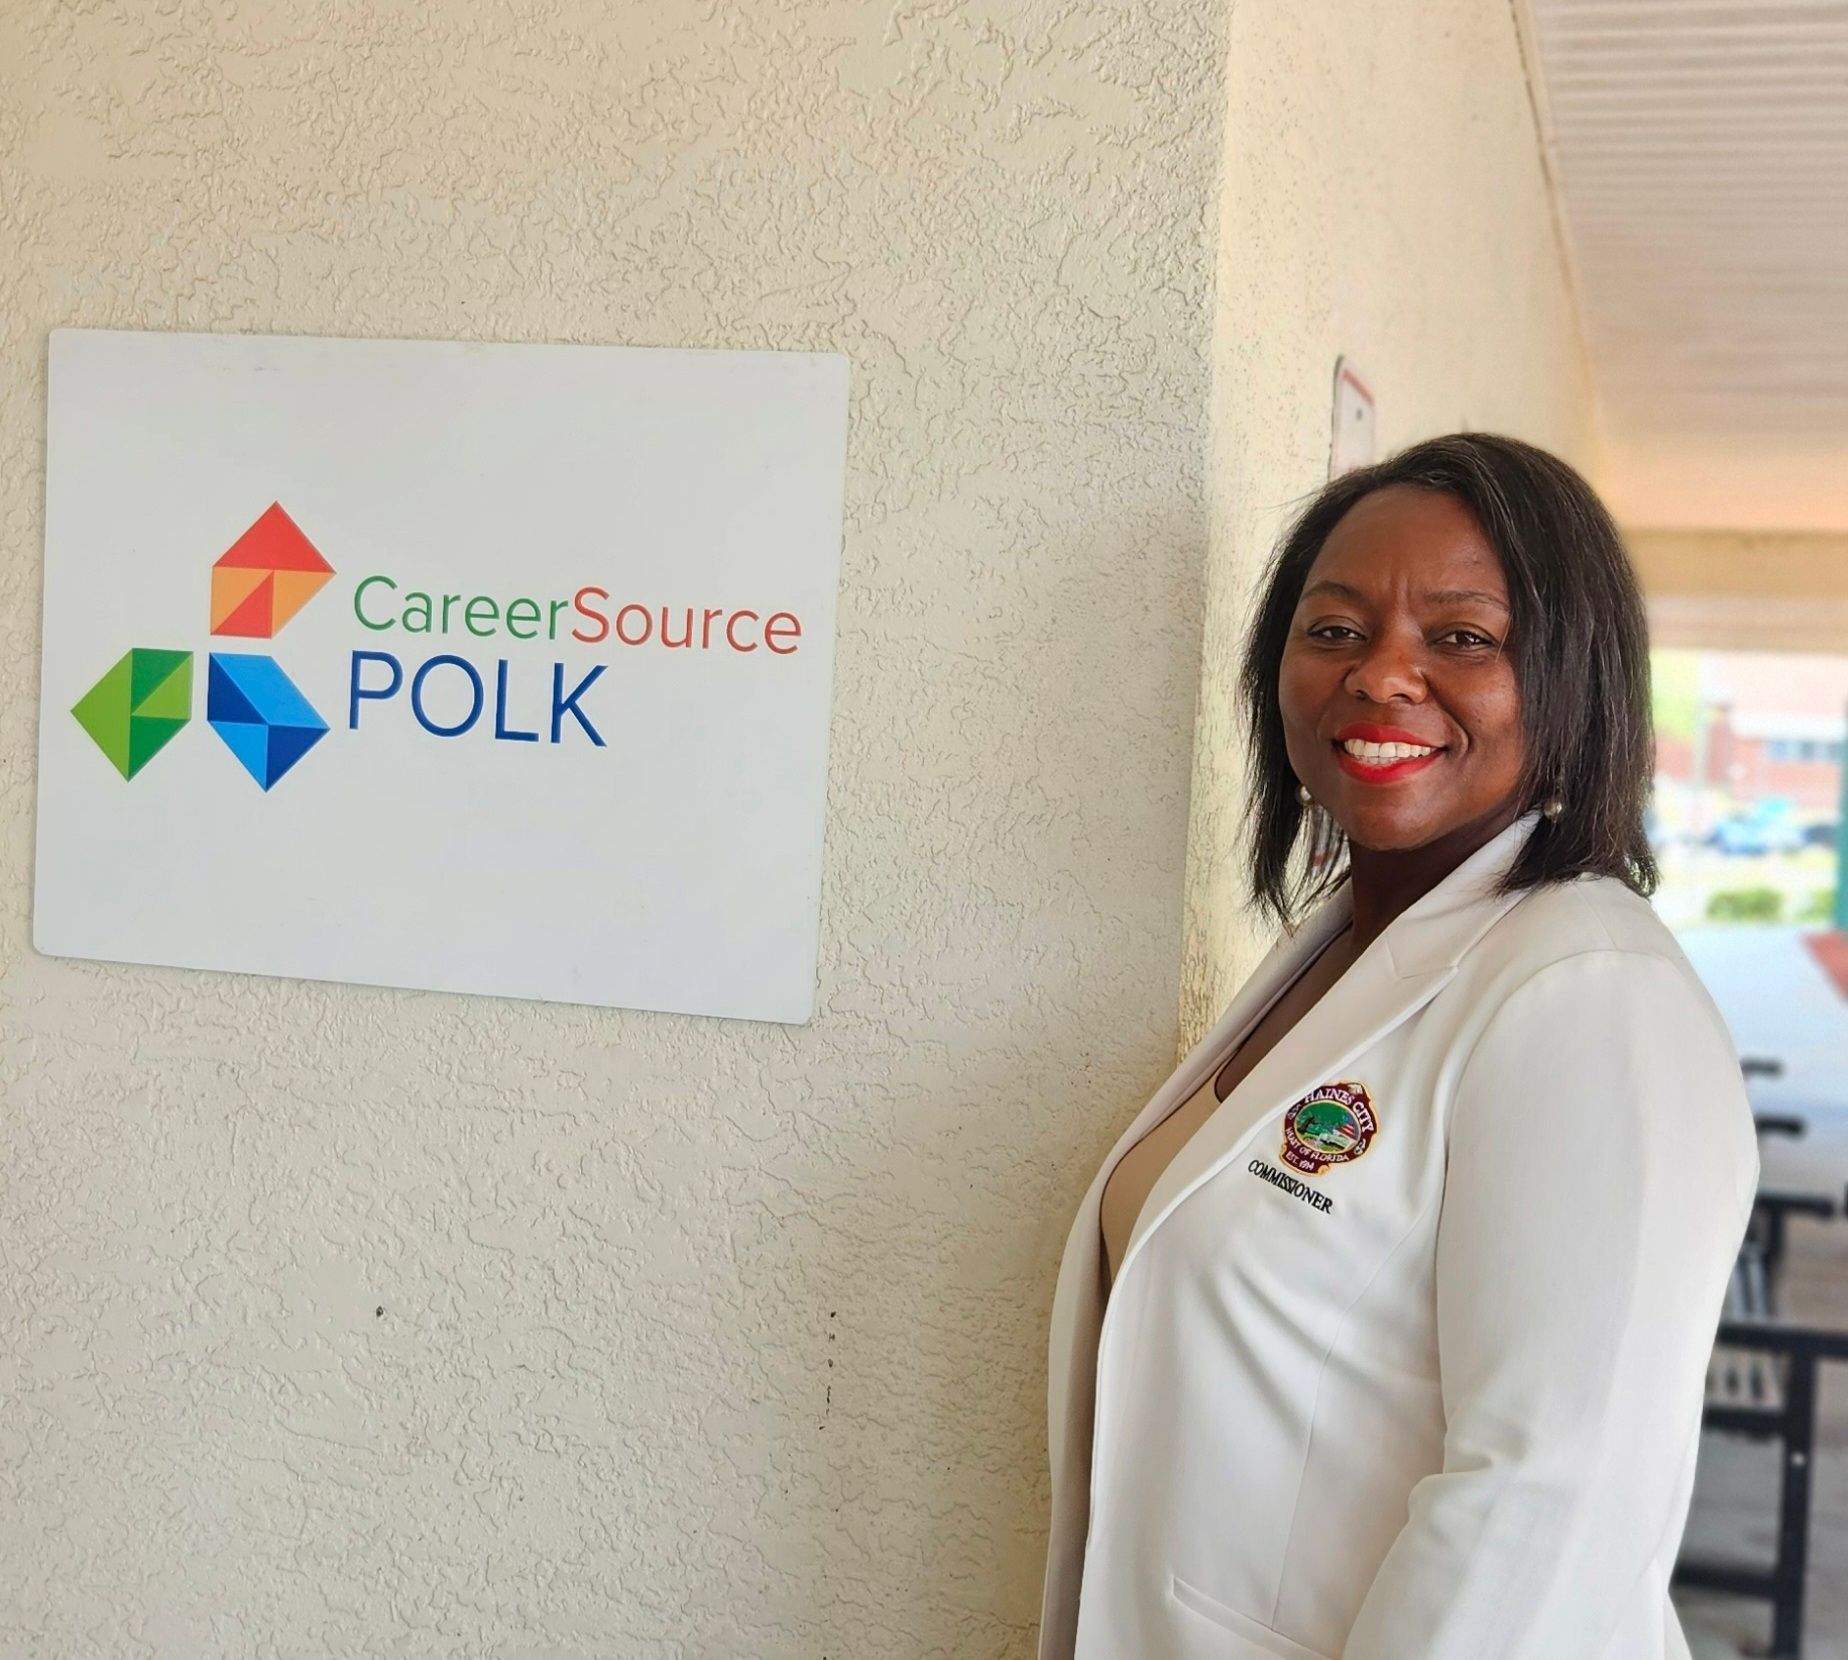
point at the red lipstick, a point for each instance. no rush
(1367, 732)
(1382, 772)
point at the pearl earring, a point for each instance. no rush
(1303, 795)
(1552, 807)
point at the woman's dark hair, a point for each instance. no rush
(1579, 645)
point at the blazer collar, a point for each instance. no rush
(1393, 977)
(1437, 930)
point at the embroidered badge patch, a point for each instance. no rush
(1332, 1124)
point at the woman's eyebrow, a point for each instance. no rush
(1436, 596)
(1455, 596)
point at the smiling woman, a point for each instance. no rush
(1404, 613)
(1471, 594)
(1382, 1329)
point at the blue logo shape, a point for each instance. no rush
(258, 711)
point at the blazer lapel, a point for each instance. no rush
(1392, 979)
(1078, 1298)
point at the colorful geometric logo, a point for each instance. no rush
(260, 582)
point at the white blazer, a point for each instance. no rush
(1412, 1368)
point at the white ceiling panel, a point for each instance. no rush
(1699, 149)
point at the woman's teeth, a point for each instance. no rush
(1379, 754)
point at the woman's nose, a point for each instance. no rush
(1388, 668)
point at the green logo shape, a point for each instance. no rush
(1327, 1125)
(137, 706)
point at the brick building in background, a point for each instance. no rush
(1768, 725)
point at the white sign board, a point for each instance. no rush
(483, 668)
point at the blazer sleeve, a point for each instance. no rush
(1601, 1169)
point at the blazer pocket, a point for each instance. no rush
(1259, 1639)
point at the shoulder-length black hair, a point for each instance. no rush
(1580, 649)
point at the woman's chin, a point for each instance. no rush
(1385, 826)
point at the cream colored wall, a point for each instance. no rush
(339, 1320)
(1383, 198)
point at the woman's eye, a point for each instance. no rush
(1333, 631)
(1468, 637)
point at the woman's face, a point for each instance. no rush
(1400, 710)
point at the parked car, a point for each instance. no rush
(1765, 827)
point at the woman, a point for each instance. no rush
(1382, 1331)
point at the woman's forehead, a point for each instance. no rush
(1402, 537)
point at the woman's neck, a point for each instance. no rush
(1387, 882)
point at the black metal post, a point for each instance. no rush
(1794, 1506)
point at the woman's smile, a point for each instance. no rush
(1382, 754)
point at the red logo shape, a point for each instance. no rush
(266, 576)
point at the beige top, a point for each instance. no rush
(1127, 1187)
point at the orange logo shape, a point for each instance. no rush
(266, 576)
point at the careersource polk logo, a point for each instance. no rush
(260, 582)
(273, 570)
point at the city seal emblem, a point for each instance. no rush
(1332, 1124)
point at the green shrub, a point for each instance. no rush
(1745, 905)
(1819, 907)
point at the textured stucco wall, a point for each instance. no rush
(339, 1320)
(1383, 198)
